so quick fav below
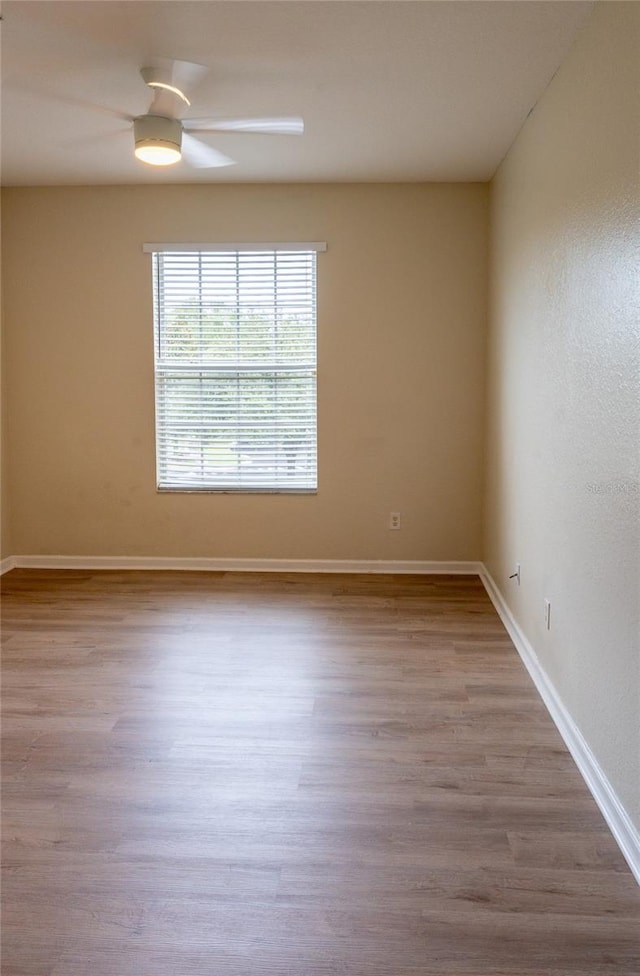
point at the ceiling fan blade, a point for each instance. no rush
(98, 138)
(188, 74)
(72, 100)
(283, 126)
(201, 155)
(166, 103)
(171, 83)
(183, 75)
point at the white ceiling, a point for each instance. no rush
(389, 90)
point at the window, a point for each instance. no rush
(235, 366)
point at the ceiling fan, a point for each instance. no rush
(163, 136)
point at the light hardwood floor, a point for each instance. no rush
(286, 775)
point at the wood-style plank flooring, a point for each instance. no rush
(288, 775)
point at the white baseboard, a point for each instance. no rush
(620, 824)
(7, 564)
(397, 566)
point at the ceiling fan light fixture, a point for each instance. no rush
(158, 141)
(157, 154)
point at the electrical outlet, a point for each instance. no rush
(394, 520)
(547, 614)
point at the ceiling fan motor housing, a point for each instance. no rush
(158, 132)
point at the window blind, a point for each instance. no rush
(235, 369)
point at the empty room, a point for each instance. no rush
(320, 548)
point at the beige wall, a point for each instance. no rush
(401, 294)
(5, 540)
(563, 457)
(6, 548)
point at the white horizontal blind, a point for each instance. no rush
(235, 367)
